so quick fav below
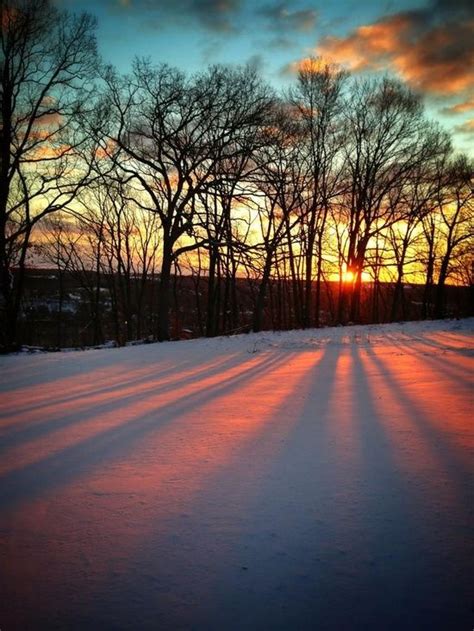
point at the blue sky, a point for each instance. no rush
(429, 43)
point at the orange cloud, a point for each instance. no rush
(435, 56)
(467, 127)
(460, 108)
(438, 62)
(53, 119)
(46, 126)
(367, 47)
(315, 64)
(106, 151)
(49, 152)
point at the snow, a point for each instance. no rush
(297, 480)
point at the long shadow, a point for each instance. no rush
(438, 361)
(62, 467)
(16, 436)
(33, 364)
(285, 586)
(442, 346)
(311, 525)
(438, 441)
(232, 494)
(377, 457)
(402, 517)
(323, 549)
(141, 396)
(105, 384)
(454, 335)
(71, 388)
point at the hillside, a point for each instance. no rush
(297, 480)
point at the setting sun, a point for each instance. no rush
(350, 277)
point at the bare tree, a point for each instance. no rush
(47, 62)
(282, 184)
(416, 197)
(172, 133)
(76, 248)
(385, 130)
(131, 244)
(317, 99)
(217, 217)
(456, 220)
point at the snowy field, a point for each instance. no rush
(296, 481)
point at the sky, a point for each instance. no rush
(427, 43)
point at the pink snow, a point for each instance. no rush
(298, 480)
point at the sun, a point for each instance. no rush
(350, 277)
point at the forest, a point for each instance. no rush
(159, 192)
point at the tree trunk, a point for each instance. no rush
(397, 297)
(308, 283)
(317, 306)
(297, 306)
(440, 307)
(262, 292)
(163, 323)
(427, 294)
(356, 296)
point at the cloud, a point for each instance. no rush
(220, 16)
(431, 48)
(49, 152)
(281, 41)
(51, 119)
(280, 18)
(466, 127)
(459, 108)
(106, 151)
(214, 15)
(46, 126)
(315, 64)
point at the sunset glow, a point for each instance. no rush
(236, 316)
(349, 277)
(158, 473)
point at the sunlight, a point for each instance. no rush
(350, 277)
(151, 477)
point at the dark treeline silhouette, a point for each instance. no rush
(160, 193)
(78, 308)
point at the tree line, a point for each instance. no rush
(338, 180)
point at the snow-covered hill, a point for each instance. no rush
(298, 480)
